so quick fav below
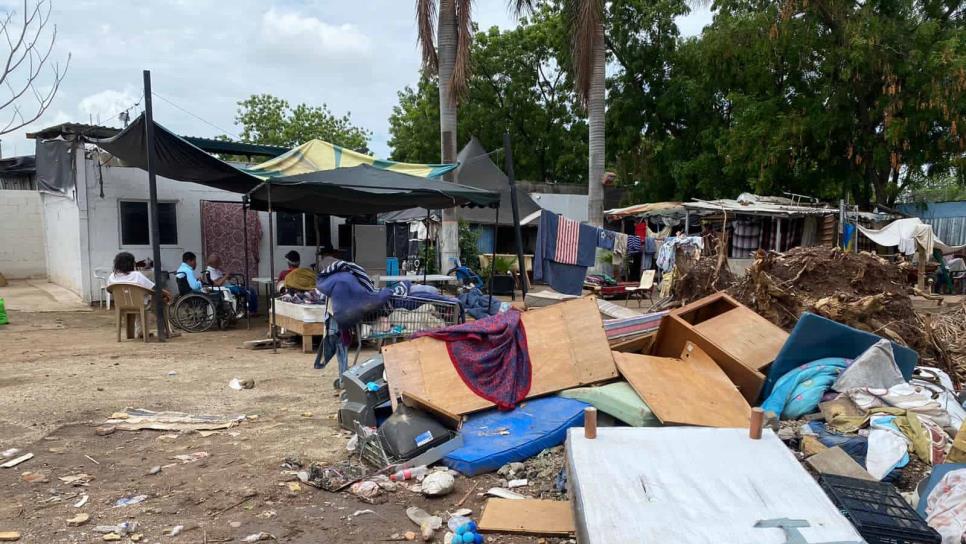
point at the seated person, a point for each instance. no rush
(294, 260)
(187, 271)
(125, 273)
(218, 278)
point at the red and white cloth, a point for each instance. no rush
(568, 233)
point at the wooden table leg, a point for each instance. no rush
(307, 344)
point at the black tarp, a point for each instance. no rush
(357, 190)
(55, 172)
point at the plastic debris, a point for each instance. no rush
(258, 537)
(366, 489)
(191, 457)
(9, 536)
(427, 523)
(6, 454)
(14, 462)
(513, 484)
(504, 493)
(129, 501)
(438, 484)
(83, 500)
(174, 531)
(78, 520)
(238, 384)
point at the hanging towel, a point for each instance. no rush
(568, 234)
(605, 239)
(491, 357)
(633, 245)
(564, 278)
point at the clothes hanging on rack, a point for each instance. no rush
(563, 277)
(667, 254)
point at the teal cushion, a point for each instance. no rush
(618, 400)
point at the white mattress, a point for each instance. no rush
(306, 313)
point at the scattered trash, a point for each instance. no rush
(120, 529)
(504, 493)
(438, 484)
(83, 500)
(111, 537)
(258, 537)
(174, 531)
(136, 537)
(129, 501)
(513, 484)
(154, 470)
(6, 454)
(191, 457)
(34, 477)
(136, 419)
(294, 487)
(77, 480)
(366, 489)
(408, 474)
(510, 470)
(427, 524)
(78, 520)
(105, 430)
(9, 536)
(306, 414)
(353, 443)
(238, 384)
(362, 513)
(172, 373)
(464, 531)
(14, 462)
(464, 512)
(410, 535)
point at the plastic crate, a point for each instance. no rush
(878, 511)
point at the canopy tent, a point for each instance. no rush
(355, 188)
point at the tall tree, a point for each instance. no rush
(267, 119)
(29, 76)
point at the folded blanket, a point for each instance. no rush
(491, 357)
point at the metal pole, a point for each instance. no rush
(271, 266)
(155, 222)
(248, 314)
(517, 229)
(426, 248)
(496, 229)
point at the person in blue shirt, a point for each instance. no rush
(187, 270)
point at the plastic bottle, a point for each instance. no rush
(410, 473)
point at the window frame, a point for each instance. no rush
(120, 223)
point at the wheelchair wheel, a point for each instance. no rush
(194, 313)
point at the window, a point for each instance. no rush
(136, 226)
(296, 229)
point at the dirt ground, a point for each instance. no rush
(63, 374)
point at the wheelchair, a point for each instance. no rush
(199, 311)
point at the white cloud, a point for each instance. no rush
(292, 32)
(103, 107)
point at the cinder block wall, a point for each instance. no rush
(22, 252)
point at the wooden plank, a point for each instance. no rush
(675, 333)
(745, 335)
(453, 421)
(692, 485)
(528, 517)
(299, 327)
(691, 390)
(836, 461)
(567, 346)
(634, 344)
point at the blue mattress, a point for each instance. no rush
(536, 425)
(815, 337)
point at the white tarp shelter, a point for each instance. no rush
(907, 234)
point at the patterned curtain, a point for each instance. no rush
(223, 232)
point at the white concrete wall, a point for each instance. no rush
(22, 235)
(126, 183)
(62, 241)
(570, 206)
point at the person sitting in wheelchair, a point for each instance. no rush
(238, 296)
(199, 307)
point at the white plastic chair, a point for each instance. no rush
(102, 274)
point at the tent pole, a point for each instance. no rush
(155, 222)
(248, 314)
(517, 229)
(496, 229)
(271, 266)
(426, 247)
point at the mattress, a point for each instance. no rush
(493, 438)
(306, 313)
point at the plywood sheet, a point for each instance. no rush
(835, 461)
(745, 335)
(675, 333)
(690, 485)
(690, 390)
(528, 517)
(567, 345)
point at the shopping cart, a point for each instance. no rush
(403, 316)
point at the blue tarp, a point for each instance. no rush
(493, 438)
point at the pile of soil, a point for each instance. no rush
(703, 279)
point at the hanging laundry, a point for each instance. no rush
(640, 229)
(633, 245)
(667, 254)
(605, 239)
(564, 278)
(568, 232)
(745, 238)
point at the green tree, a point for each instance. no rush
(516, 86)
(267, 119)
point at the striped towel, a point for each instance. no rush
(633, 245)
(568, 233)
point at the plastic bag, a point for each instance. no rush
(3, 313)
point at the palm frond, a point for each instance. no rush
(521, 7)
(464, 44)
(426, 24)
(586, 18)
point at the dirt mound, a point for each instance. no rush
(703, 279)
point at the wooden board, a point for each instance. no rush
(692, 485)
(528, 517)
(835, 461)
(745, 335)
(567, 346)
(453, 421)
(675, 333)
(306, 330)
(691, 390)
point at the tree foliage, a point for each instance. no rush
(269, 120)
(516, 86)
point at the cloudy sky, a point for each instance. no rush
(206, 55)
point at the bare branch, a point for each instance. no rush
(426, 23)
(27, 46)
